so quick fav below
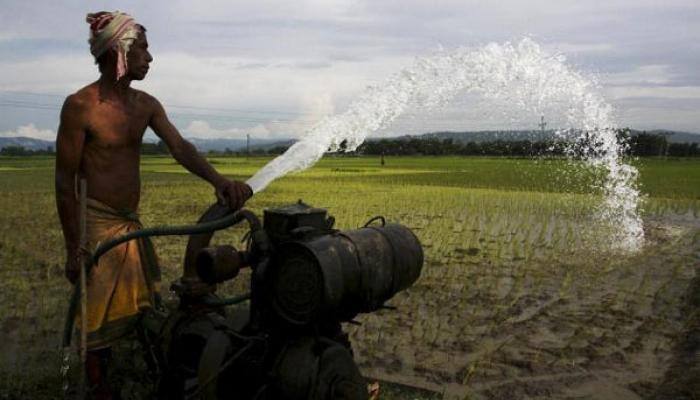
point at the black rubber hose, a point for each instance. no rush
(192, 229)
(199, 241)
(227, 302)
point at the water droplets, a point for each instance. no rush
(524, 76)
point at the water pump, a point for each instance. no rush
(307, 278)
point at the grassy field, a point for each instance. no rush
(519, 296)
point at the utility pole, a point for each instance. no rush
(542, 125)
(666, 143)
(247, 145)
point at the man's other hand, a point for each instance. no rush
(233, 193)
(72, 269)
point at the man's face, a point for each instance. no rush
(139, 58)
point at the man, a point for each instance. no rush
(99, 139)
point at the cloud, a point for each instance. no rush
(650, 113)
(659, 92)
(31, 131)
(275, 94)
(202, 130)
(63, 73)
(272, 57)
(575, 48)
(643, 75)
(316, 107)
(270, 130)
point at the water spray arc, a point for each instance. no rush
(523, 74)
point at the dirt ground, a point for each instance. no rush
(626, 328)
(620, 328)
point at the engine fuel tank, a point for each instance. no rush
(343, 273)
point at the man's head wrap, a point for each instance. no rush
(112, 30)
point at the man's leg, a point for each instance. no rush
(96, 364)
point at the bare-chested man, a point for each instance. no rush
(99, 139)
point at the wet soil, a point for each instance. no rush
(621, 327)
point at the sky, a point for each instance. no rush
(272, 69)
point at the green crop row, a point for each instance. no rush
(511, 245)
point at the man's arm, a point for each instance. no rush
(69, 150)
(232, 193)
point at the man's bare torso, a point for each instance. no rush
(111, 151)
(99, 139)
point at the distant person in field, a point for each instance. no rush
(99, 139)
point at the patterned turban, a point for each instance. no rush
(112, 30)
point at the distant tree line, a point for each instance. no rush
(21, 151)
(258, 151)
(154, 148)
(646, 144)
(642, 145)
(439, 147)
(162, 148)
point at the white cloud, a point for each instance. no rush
(31, 131)
(54, 74)
(640, 75)
(574, 48)
(316, 107)
(659, 92)
(202, 130)
(270, 130)
(6, 36)
(661, 118)
(282, 85)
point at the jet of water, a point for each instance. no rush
(524, 75)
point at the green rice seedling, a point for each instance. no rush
(474, 215)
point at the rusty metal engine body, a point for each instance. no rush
(307, 278)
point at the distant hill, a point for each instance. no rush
(675, 136)
(273, 144)
(27, 143)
